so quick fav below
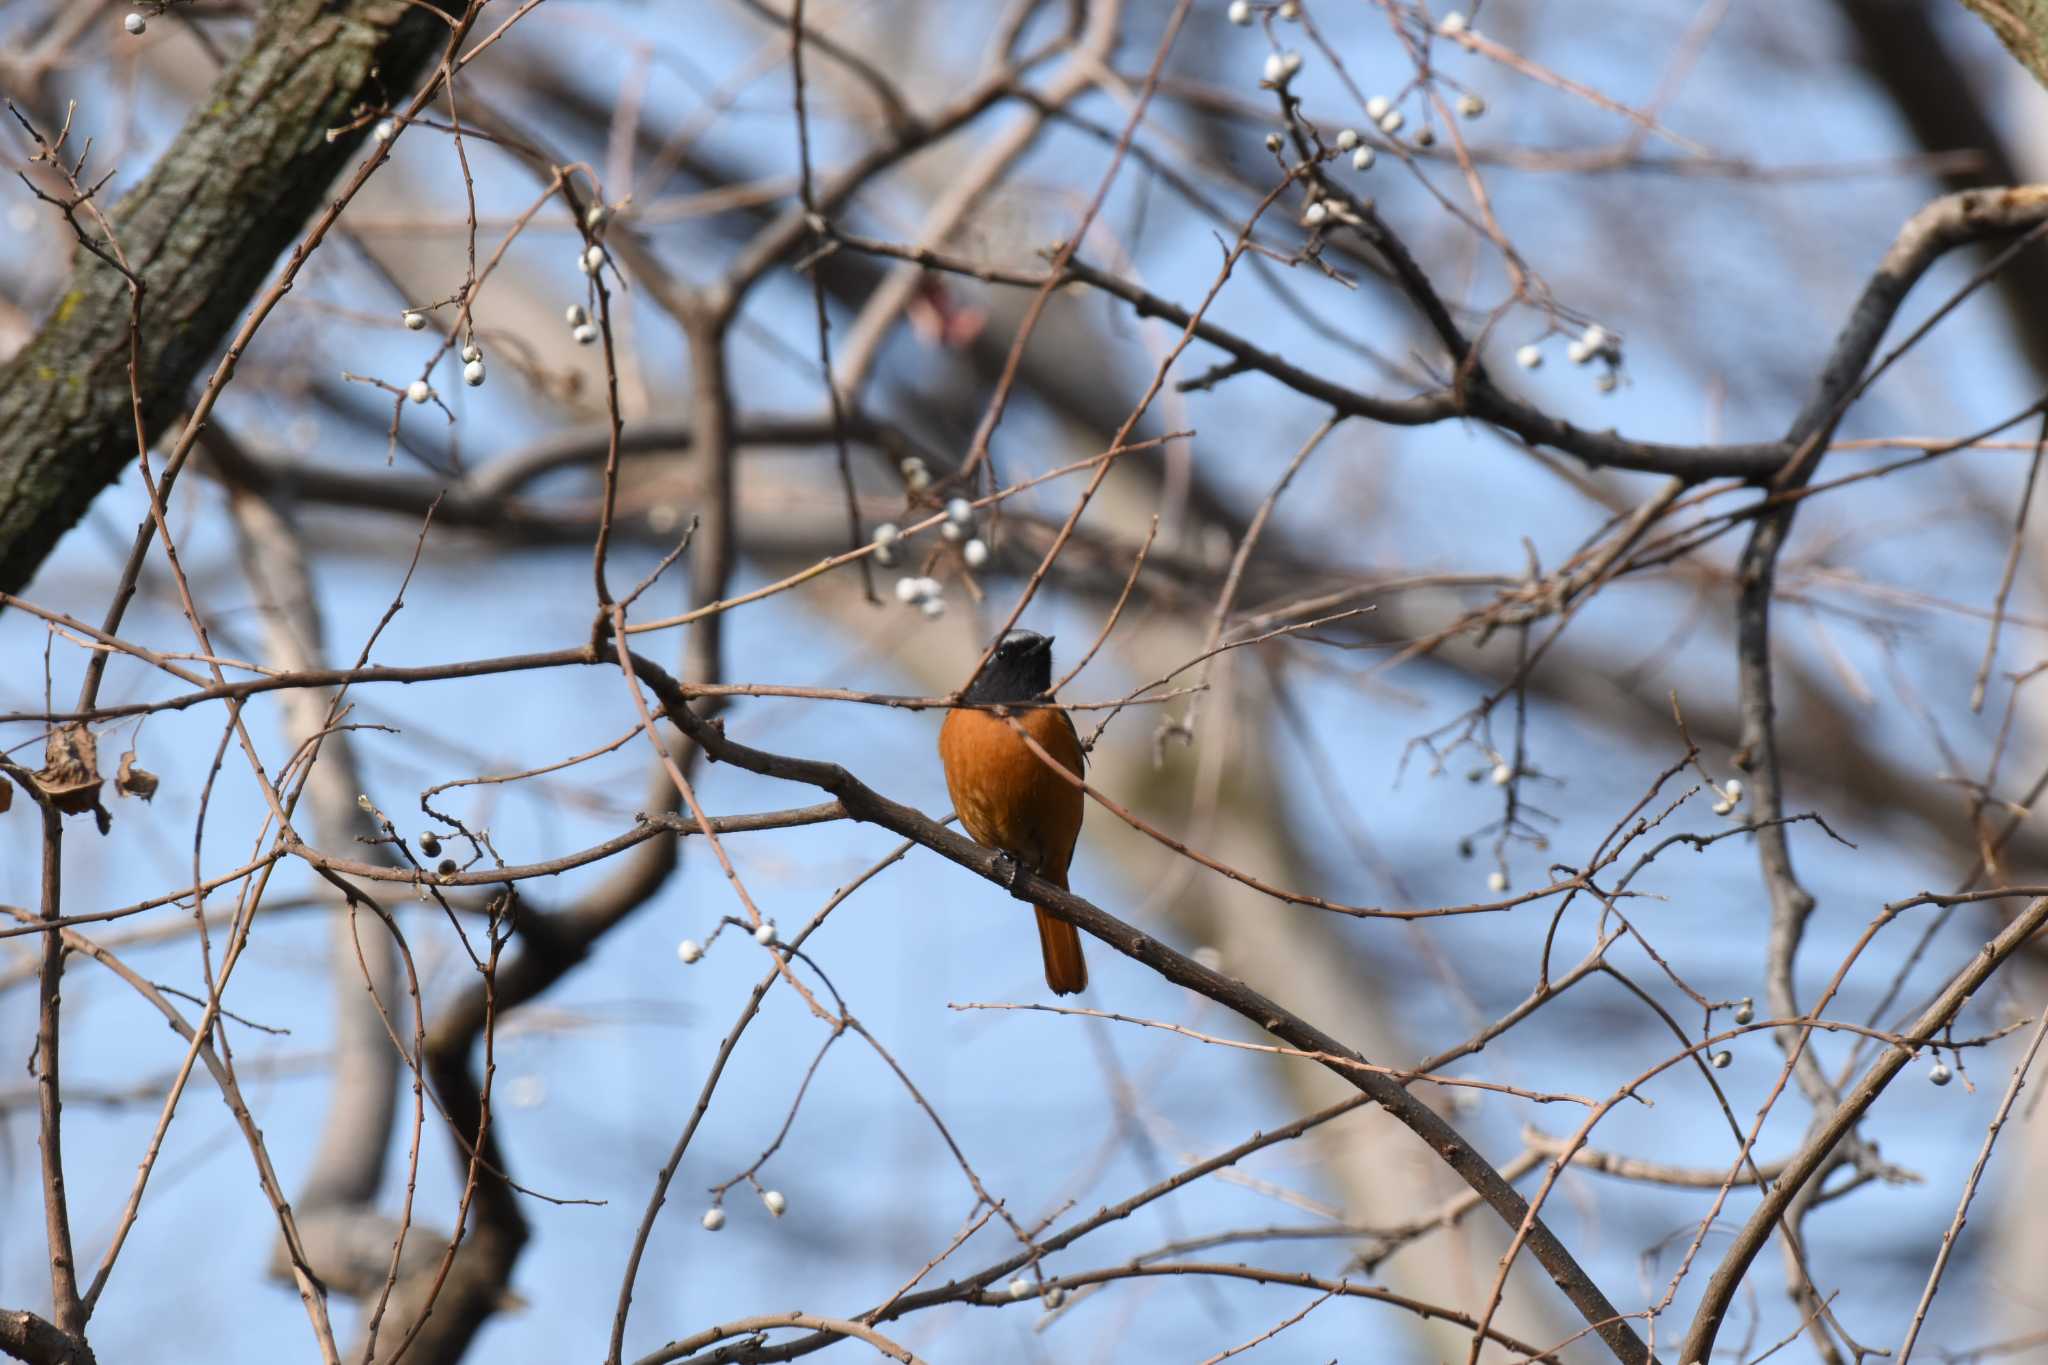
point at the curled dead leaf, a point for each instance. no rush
(70, 779)
(132, 780)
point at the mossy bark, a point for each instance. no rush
(203, 231)
(2022, 25)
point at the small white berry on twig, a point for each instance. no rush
(764, 932)
(413, 321)
(135, 24)
(419, 391)
(975, 552)
(714, 1218)
(689, 950)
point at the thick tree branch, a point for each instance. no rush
(201, 232)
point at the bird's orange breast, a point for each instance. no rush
(1006, 796)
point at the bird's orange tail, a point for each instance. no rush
(1066, 971)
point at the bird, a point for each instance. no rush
(1007, 798)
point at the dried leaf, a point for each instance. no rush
(70, 778)
(134, 781)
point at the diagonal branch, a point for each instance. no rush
(865, 804)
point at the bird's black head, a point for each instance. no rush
(1019, 670)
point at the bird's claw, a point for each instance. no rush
(1008, 869)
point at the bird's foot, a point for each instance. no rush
(1008, 869)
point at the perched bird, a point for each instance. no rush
(1007, 797)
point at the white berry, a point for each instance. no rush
(885, 556)
(1362, 159)
(689, 950)
(1020, 1288)
(1275, 68)
(1315, 213)
(953, 531)
(1376, 107)
(960, 512)
(1347, 139)
(1721, 1060)
(1745, 1012)
(470, 352)
(1502, 774)
(775, 1202)
(1723, 807)
(574, 315)
(1939, 1073)
(909, 590)
(1497, 882)
(1454, 22)
(1734, 789)
(595, 215)
(764, 932)
(1391, 122)
(1055, 1296)
(714, 1218)
(1291, 63)
(418, 391)
(1578, 352)
(975, 552)
(135, 24)
(1595, 336)
(473, 373)
(1240, 12)
(413, 321)
(1273, 143)
(1290, 9)
(1529, 357)
(888, 533)
(933, 606)
(385, 130)
(585, 333)
(592, 258)
(1471, 106)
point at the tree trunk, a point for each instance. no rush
(202, 232)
